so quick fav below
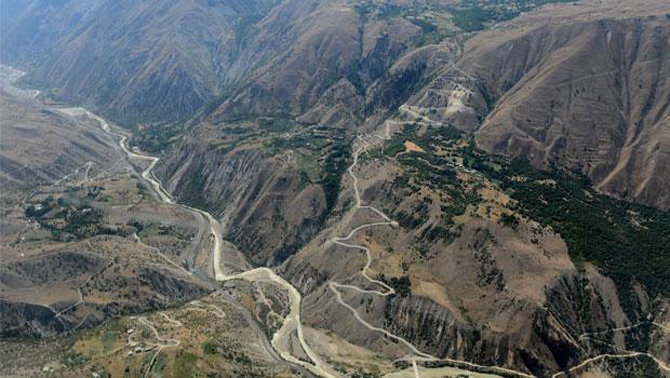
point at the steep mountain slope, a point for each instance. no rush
(39, 146)
(136, 61)
(72, 255)
(317, 47)
(267, 209)
(256, 160)
(592, 96)
(465, 275)
(127, 59)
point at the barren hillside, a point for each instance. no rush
(592, 96)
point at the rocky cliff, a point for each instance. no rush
(267, 209)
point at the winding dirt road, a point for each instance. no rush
(165, 343)
(416, 354)
(291, 322)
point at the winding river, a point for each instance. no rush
(292, 322)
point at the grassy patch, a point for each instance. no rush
(185, 365)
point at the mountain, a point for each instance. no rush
(126, 59)
(336, 188)
(40, 145)
(309, 58)
(320, 58)
(591, 96)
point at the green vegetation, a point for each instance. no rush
(232, 352)
(362, 374)
(157, 138)
(488, 272)
(38, 210)
(210, 346)
(429, 170)
(323, 156)
(276, 125)
(109, 338)
(429, 140)
(74, 216)
(401, 285)
(334, 167)
(428, 16)
(72, 359)
(639, 367)
(473, 15)
(425, 26)
(185, 364)
(509, 220)
(381, 10)
(469, 15)
(471, 19)
(415, 218)
(159, 365)
(628, 242)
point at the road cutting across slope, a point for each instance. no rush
(416, 354)
(291, 322)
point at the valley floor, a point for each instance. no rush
(244, 321)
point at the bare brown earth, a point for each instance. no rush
(82, 239)
(412, 147)
(39, 146)
(471, 298)
(210, 335)
(590, 94)
(56, 276)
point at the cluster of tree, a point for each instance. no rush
(509, 220)
(430, 170)
(275, 124)
(629, 242)
(39, 210)
(157, 138)
(473, 15)
(334, 166)
(402, 285)
(381, 10)
(416, 218)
